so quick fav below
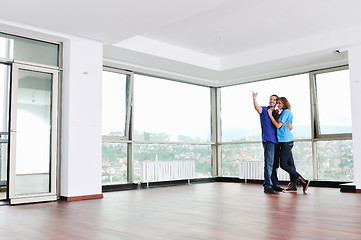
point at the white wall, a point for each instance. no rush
(81, 139)
(355, 85)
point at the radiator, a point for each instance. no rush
(167, 171)
(255, 170)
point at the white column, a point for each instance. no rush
(355, 85)
(81, 140)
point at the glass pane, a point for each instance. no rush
(34, 51)
(6, 48)
(114, 163)
(114, 104)
(4, 103)
(241, 122)
(235, 155)
(33, 133)
(335, 160)
(302, 155)
(170, 111)
(200, 154)
(329, 87)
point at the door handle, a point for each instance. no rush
(13, 130)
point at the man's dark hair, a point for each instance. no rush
(274, 95)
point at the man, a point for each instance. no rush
(269, 142)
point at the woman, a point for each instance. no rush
(285, 141)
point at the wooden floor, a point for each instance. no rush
(198, 211)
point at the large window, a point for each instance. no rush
(116, 109)
(333, 102)
(165, 121)
(333, 127)
(170, 111)
(172, 122)
(323, 151)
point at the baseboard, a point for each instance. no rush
(80, 198)
(132, 186)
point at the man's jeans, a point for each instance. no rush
(276, 165)
(269, 156)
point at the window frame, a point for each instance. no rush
(315, 118)
(129, 103)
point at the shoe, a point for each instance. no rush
(305, 183)
(278, 189)
(269, 191)
(291, 187)
(305, 187)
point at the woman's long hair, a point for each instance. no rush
(286, 104)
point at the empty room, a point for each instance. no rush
(207, 119)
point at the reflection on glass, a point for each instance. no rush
(114, 163)
(114, 104)
(334, 102)
(33, 133)
(200, 154)
(170, 111)
(335, 160)
(240, 121)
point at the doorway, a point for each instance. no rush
(28, 133)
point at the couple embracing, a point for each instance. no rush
(277, 140)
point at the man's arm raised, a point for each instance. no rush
(255, 104)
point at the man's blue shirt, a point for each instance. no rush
(284, 133)
(268, 129)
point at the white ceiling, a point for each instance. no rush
(211, 42)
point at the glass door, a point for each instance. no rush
(4, 129)
(33, 134)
